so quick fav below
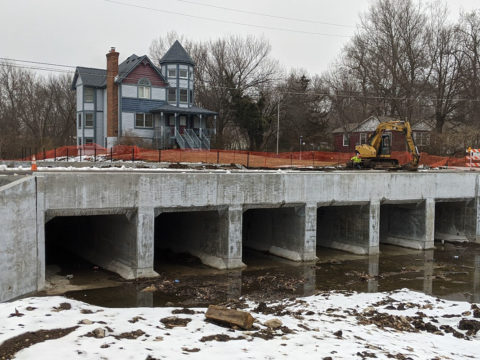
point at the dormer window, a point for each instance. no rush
(144, 86)
(183, 73)
(172, 71)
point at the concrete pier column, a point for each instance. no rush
(144, 253)
(288, 232)
(374, 228)
(429, 224)
(230, 246)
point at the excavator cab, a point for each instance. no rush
(385, 148)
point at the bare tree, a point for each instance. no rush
(445, 59)
(34, 112)
(468, 32)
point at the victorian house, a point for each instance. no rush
(139, 99)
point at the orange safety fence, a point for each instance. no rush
(252, 159)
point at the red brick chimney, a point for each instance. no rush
(112, 93)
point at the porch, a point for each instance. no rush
(185, 128)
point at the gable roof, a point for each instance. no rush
(177, 54)
(130, 63)
(90, 77)
(98, 77)
(368, 125)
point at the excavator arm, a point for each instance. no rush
(371, 155)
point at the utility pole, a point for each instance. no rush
(301, 138)
(278, 123)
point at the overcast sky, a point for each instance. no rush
(80, 32)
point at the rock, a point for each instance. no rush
(369, 309)
(273, 323)
(476, 313)
(338, 333)
(221, 314)
(472, 326)
(86, 322)
(174, 321)
(151, 288)
(99, 333)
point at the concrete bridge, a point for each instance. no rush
(122, 220)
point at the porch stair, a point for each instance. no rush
(195, 139)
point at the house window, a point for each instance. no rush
(143, 120)
(172, 71)
(171, 121)
(421, 138)
(183, 96)
(183, 121)
(172, 95)
(363, 138)
(88, 141)
(79, 121)
(88, 94)
(346, 141)
(183, 73)
(144, 86)
(89, 120)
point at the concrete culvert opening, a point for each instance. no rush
(403, 225)
(189, 237)
(344, 228)
(455, 220)
(106, 241)
(278, 231)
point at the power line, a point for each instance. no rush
(355, 95)
(223, 21)
(266, 15)
(37, 62)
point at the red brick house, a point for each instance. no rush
(348, 136)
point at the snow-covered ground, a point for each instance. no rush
(331, 324)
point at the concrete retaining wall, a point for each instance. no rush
(18, 239)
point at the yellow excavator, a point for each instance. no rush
(375, 154)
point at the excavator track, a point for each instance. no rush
(381, 164)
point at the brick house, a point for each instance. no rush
(139, 99)
(348, 136)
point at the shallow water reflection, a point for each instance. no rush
(451, 271)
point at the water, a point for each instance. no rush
(451, 271)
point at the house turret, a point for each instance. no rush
(178, 68)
